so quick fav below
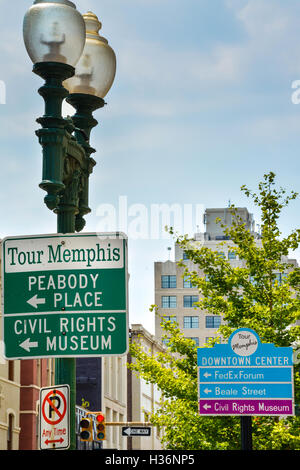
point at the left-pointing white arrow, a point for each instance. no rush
(207, 375)
(27, 344)
(34, 301)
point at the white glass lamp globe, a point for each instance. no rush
(96, 69)
(54, 31)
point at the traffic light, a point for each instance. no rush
(86, 429)
(100, 427)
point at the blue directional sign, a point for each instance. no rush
(246, 377)
(238, 374)
(246, 390)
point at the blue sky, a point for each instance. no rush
(201, 105)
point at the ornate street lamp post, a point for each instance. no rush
(77, 65)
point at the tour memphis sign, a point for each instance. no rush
(245, 377)
(65, 295)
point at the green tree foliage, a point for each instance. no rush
(175, 373)
(250, 294)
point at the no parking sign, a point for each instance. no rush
(54, 417)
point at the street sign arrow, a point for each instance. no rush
(27, 344)
(48, 441)
(206, 406)
(34, 301)
(126, 431)
(136, 431)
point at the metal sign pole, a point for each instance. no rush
(246, 433)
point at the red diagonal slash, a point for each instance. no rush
(54, 407)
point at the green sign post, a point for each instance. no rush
(65, 295)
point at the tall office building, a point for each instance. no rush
(174, 294)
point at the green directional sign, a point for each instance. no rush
(65, 295)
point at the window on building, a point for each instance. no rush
(185, 256)
(11, 370)
(231, 255)
(168, 282)
(109, 418)
(115, 431)
(171, 318)
(10, 432)
(187, 283)
(277, 279)
(208, 339)
(190, 322)
(168, 301)
(280, 278)
(196, 340)
(189, 300)
(212, 321)
(221, 254)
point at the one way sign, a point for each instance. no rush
(136, 431)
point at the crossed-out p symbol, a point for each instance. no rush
(54, 407)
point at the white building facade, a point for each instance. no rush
(143, 398)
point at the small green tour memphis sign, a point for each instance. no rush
(65, 295)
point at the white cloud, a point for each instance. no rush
(223, 64)
(266, 53)
(167, 70)
(272, 29)
(22, 124)
(264, 19)
(274, 127)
